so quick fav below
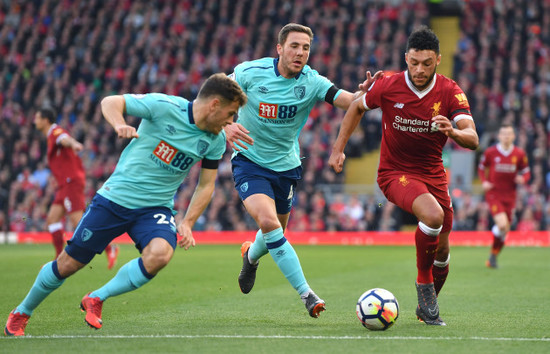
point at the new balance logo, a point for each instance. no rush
(399, 105)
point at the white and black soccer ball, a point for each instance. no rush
(377, 309)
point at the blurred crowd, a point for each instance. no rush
(69, 54)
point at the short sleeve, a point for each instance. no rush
(372, 99)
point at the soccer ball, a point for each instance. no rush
(377, 309)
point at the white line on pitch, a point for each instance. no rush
(229, 336)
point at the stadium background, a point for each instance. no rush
(70, 54)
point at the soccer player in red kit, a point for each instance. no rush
(502, 167)
(68, 171)
(418, 108)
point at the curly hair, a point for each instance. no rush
(423, 38)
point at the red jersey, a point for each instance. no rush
(410, 141)
(503, 167)
(65, 165)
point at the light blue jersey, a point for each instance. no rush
(277, 110)
(153, 166)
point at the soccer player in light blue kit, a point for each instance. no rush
(138, 197)
(266, 163)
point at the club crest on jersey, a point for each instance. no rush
(202, 146)
(244, 187)
(436, 108)
(403, 180)
(300, 92)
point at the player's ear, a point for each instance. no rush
(279, 49)
(214, 104)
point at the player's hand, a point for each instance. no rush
(186, 234)
(336, 161)
(519, 179)
(77, 147)
(235, 134)
(126, 131)
(443, 124)
(364, 86)
(486, 185)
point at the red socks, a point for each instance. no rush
(58, 241)
(440, 275)
(498, 243)
(426, 240)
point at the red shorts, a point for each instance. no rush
(71, 196)
(402, 188)
(498, 204)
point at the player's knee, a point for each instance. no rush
(268, 223)
(434, 219)
(67, 265)
(153, 263)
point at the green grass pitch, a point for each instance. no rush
(194, 305)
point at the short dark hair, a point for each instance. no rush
(48, 113)
(423, 38)
(506, 125)
(294, 27)
(221, 85)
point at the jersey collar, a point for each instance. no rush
(277, 73)
(418, 93)
(52, 127)
(190, 112)
(503, 151)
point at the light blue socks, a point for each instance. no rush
(286, 258)
(258, 248)
(130, 276)
(47, 280)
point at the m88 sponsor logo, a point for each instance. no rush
(171, 156)
(277, 111)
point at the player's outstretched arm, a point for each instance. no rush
(345, 98)
(235, 134)
(70, 142)
(364, 86)
(201, 197)
(113, 108)
(351, 119)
